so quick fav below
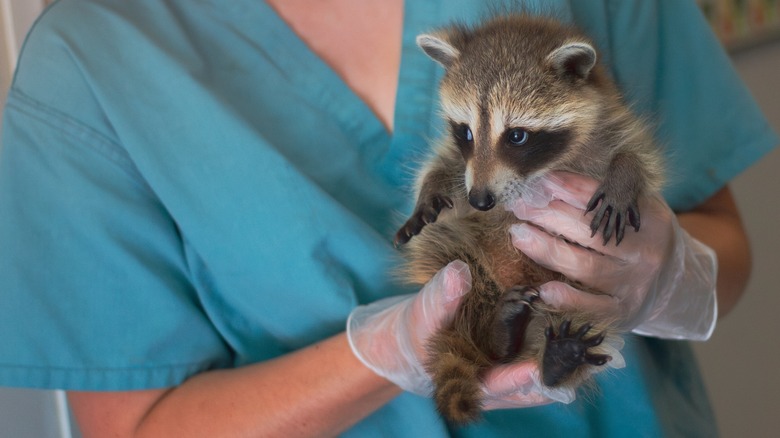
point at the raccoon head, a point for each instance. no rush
(520, 96)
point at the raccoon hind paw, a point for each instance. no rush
(514, 315)
(566, 352)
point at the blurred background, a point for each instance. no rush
(741, 360)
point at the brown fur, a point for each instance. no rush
(503, 71)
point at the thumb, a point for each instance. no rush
(450, 283)
(571, 188)
(456, 280)
(442, 294)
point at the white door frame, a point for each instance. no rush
(16, 17)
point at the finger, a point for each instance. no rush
(516, 378)
(517, 401)
(456, 280)
(518, 385)
(597, 270)
(573, 189)
(572, 223)
(564, 297)
(443, 292)
(557, 218)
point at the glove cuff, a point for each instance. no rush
(686, 306)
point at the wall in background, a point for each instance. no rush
(743, 23)
(741, 362)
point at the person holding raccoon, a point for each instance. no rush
(178, 256)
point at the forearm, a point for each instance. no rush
(318, 391)
(717, 224)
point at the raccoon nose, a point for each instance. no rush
(482, 199)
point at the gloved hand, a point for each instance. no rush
(389, 336)
(659, 281)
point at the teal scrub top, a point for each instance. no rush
(185, 186)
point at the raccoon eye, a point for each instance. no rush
(517, 136)
(463, 132)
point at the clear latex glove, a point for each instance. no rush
(389, 337)
(660, 281)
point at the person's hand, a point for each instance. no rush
(658, 282)
(389, 336)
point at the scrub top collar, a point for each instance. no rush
(415, 116)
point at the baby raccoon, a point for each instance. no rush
(523, 96)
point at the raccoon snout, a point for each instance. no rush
(482, 199)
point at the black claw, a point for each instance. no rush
(582, 331)
(564, 329)
(404, 235)
(633, 217)
(621, 229)
(401, 238)
(549, 333)
(594, 201)
(595, 340)
(610, 227)
(597, 359)
(528, 294)
(595, 224)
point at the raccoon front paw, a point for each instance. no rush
(425, 212)
(616, 210)
(565, 352)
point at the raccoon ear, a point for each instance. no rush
(574, 59)
(438, 49)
